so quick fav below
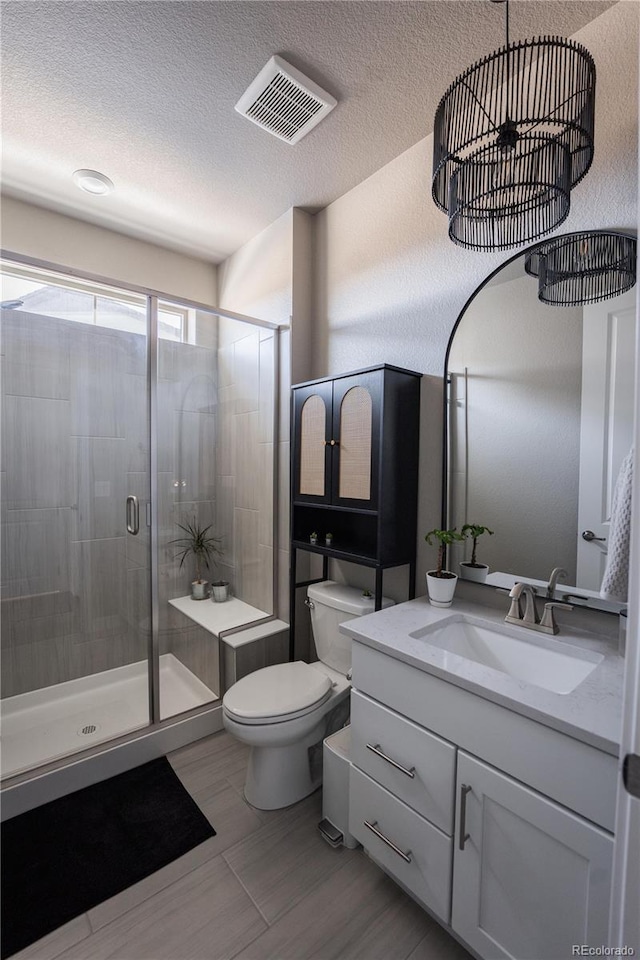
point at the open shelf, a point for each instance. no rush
(354, 533)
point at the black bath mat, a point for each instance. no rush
(67, 856)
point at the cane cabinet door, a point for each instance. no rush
(312, 417)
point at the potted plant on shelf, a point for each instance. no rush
(203, 547)
(220, 591)
(328, 539)
(471, 569)
(313, 537)
(441, 584)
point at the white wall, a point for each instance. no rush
(389, 282)
(43, 234)
(257, 279)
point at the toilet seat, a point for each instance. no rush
(278, 693)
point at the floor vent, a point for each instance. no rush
(284, 102)
(85, 731)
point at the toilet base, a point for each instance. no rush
(280, 776)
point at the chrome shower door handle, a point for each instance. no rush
(133, 515)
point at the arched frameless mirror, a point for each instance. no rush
(538, 421)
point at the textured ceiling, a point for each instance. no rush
(145, 92)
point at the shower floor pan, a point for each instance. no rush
(55, 721)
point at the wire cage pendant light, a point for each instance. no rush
(513, 135)
(583, 267)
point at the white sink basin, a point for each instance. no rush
(541, 661)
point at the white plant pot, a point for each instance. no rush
(199, 589)
(220, 591)
(441, 589)
(477, 573)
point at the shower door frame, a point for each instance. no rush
(31, 788)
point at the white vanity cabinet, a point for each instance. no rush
(483, 815)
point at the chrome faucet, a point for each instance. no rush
(530, 613)
(558, 573)
(515, 614)
(547, 624)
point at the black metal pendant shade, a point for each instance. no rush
(583, 267)
(513, 135)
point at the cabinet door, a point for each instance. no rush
(533, 879)
(357, 403)
(312, 432)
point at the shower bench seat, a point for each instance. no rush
(249, 637)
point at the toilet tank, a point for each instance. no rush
(333, 604)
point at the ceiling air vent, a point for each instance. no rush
(285, 102)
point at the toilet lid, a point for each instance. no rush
(276, 691)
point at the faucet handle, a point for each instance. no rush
(548, 620)
(515, 610)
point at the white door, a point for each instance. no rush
(532, 879)
(606, 432)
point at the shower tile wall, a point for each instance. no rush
(244, 455)
(187, 426)
(73, 603)
(75, 586)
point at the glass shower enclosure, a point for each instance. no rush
(125, 416)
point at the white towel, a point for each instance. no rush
(616, 574)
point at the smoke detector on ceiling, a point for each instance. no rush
(284, 102)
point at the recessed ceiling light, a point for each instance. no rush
(93, 182)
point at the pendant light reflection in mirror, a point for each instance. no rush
(583, 268)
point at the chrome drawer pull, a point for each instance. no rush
(375, 748)
(463, 835)
(372, 826)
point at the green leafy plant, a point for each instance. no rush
(475, 530)
(197, 542)
(445, 538)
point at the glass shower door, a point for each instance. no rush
(76, 602)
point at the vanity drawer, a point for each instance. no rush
(422, 859)
(381, 738)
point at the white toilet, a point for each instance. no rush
(284, 712)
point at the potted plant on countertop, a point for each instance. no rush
(471, 569)
(203, 547)
(441, 584)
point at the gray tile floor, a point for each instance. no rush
(266, 886)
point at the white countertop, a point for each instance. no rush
(591, 713)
